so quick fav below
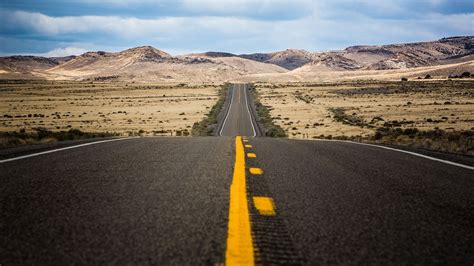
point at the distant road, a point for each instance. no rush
(214, 200)
(238, 120)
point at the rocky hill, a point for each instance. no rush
(18, 63)
(382, 57)
(289, 59)
(149, 64)
(397, 56)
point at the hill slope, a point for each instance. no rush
(148, 64)
(381, 57)
(289, 59)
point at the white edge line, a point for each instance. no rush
(61, 149)
(248, 109)
(228, 110)
(403, 151)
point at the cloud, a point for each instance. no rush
(262, 9)
(327, 25)
(66, 51)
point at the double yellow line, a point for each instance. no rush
(239, 236)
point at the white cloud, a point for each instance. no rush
(236, 34)
(66, 51)
(246, 6)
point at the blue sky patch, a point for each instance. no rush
(58, 27)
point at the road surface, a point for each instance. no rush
(239, 120)
(178, 201)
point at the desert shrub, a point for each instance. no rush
(461, 142)
(466, 75)
(207, 126)
(38, 135)
(271, 129)
(339, 115)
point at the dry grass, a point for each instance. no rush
(123, 108)
(43, 136)
(350, 109)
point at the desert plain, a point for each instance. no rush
(357, 108)
(416, 94)
(115, 107)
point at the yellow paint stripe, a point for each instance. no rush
(255, 171)
(264, 205)
(248, 146)
(239, 249)
(251, 155)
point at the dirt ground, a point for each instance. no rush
(358, 108)
(124, 108)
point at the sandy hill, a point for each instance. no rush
(18, 66)
(313, 73)
(20, 63)
(397, 56)
(382, 57)
(289, 58)
(448, 56)
(150, 64)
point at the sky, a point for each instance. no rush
(65, 27)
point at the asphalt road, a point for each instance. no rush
(166, 201)
(238, 120)
(155, 201)
(345, 203)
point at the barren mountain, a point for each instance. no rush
(18, 66)
(382, 57)
(289, 59)
(149, 64)
(398, 56)
(26, 64)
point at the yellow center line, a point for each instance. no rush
(255, 171)
(264, 205)
(239, 249)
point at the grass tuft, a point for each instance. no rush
(207, 126)
(460, 142)
(264, 118)
(42, 135)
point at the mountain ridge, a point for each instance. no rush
(151, 64)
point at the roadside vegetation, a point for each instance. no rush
(43, 136)
(340, 115)
(427, 114)
(460, 142)
(457, 141)
(271, 129)
(207, 126)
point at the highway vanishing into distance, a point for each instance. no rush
(239, 119)
(236, 198)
